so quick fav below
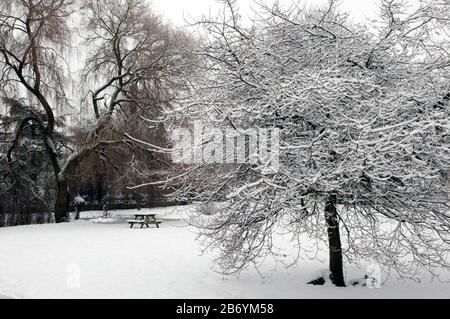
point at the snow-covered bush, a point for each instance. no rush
(78, 200)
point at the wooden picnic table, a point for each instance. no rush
(144, 219)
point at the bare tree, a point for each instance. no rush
(364, 119)
(32, 33)
(135, 62)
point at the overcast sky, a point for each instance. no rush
(175, 10)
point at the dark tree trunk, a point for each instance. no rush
(334, 241)
(62, 201)
(62, 191)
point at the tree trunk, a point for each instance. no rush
(62, 191)
(62, 201)
(334, 241)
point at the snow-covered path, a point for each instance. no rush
(88, 260)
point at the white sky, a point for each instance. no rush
(175, 10)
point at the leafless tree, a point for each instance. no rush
(32, 34)
(135, 63)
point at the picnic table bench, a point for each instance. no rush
(144, 219)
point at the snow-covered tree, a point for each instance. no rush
(364, 119)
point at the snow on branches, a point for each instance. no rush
(364, 118)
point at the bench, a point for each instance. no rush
(144, 222)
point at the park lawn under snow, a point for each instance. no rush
(114, 261)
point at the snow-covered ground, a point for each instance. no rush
(84, 259)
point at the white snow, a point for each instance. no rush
(79, 200)
(83, 259)
(174, 212)
(104, 220)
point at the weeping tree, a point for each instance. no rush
(31, 34)
(134, 63)
(363, 116)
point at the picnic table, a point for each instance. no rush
(144, 219)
